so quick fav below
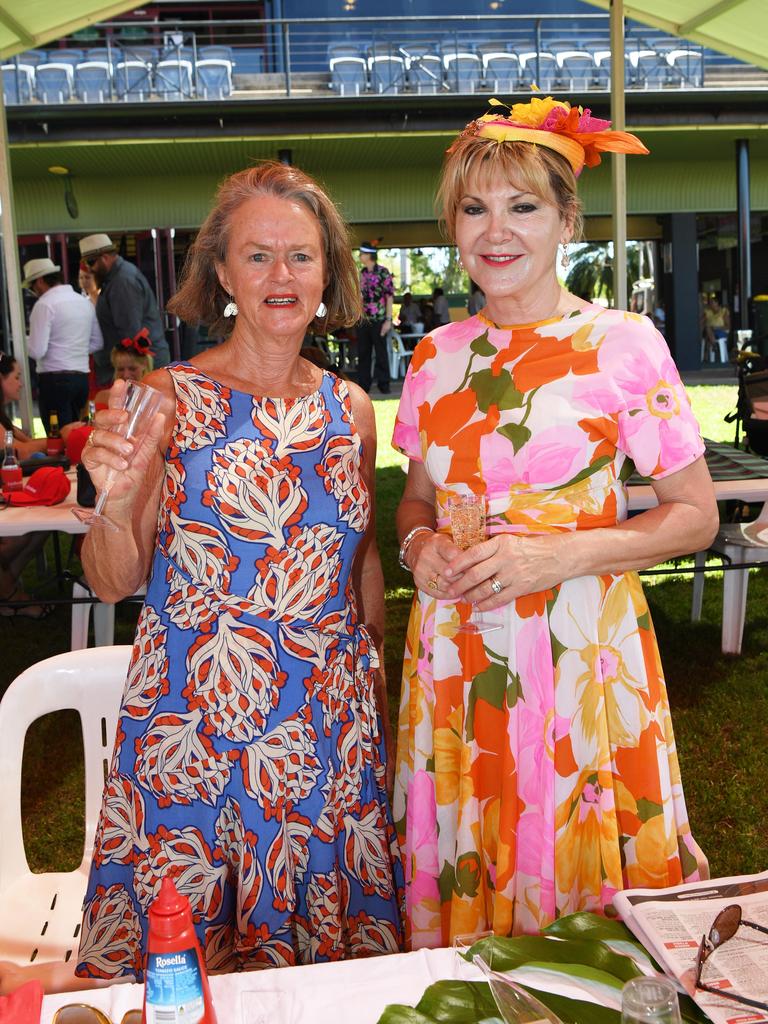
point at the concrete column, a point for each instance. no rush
(744, 240)
(681, 290)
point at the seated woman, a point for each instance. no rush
(10, 391)
(131, 360)
(16, 552)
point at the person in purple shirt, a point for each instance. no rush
(378, 291)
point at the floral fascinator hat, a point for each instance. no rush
(571, 131)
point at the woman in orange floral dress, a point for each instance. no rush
(537, 772)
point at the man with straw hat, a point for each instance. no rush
(63, 330)
(126, 303)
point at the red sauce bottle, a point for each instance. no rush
(176, 986)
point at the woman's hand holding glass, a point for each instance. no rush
(428, 555)
(503, 567)
(121, 447)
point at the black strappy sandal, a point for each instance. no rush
(23, 611)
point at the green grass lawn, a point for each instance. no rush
(719, 703)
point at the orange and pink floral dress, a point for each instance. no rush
(537, 772)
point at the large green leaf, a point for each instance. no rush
(577, 1011)
(458, 1002)
(506, 954)
(575, 947)
(584, 925)
(471, 1002)
(397, 1013)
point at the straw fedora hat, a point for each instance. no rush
(91, 245)
(38, 268)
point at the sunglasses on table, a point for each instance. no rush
(724, 927)
(81, 1013)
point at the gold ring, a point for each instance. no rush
(496, 585)
(90, 439)
(432, 584)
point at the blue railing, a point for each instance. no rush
(160, 61)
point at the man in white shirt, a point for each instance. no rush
(63, 330)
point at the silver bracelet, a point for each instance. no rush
(406, 542)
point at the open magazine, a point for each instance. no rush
(671, 922)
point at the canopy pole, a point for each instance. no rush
(12, 269)
(744, 245)
(619, 161)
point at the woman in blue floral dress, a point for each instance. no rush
(250, 759)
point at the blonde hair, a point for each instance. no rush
(539, 170)
(145, 361)
(201, 297)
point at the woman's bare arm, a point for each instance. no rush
(117, 562)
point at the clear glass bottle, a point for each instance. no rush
(10, 471)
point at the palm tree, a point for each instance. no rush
(591, 272)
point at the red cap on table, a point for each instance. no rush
(46, 486)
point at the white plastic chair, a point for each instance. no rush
(731, 543)
(103, 619)
(398, 355)
(501, 71)
(41, 913)
(214, 78)
(18, 83)
(55, 82)
(722, 349)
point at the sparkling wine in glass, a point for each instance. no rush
(141, 403)
(466, 513)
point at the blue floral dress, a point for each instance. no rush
(248, 761)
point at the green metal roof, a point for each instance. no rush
(136, 183)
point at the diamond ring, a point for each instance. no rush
(496, 585)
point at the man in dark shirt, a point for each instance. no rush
(378, 290)
(126, 303)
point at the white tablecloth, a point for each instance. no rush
(349, 992)
(16, 520)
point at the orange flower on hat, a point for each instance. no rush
(571, 131)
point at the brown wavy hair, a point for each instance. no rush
(541, 171)
(201, 298)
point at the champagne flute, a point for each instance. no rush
(515, 1004)
(466, 513)
(141, 402)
